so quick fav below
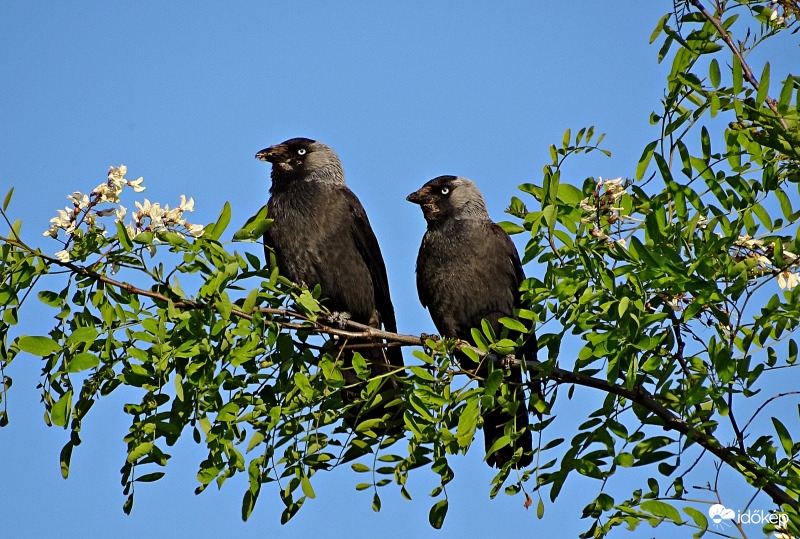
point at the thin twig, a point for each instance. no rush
(746, 71)
(671, 421)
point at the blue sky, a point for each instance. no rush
(185, 94)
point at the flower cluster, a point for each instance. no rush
(602, 205)
(152, 218)
(602, 202)
(761, 252)
(148, 217)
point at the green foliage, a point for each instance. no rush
(678, 283)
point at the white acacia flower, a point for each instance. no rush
(121, 212)
(144, 209)
(763, 261)
(52, 231)
(788, 280)
(131, 230)
(106, 212)
(195, 230)
(62, 256)
(64, 218)
(79, 199)
(186, 205)
(174, 215)
(107, 193)
(137, 184)
(749, 242)
(116, 176)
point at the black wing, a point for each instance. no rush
(370, 251)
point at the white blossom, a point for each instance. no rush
(62, 255)
(195, 230)
(137, 184)
(186, 206)
(788, 280)
(116, 175)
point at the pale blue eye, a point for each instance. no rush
(301, 151)
(445, 190)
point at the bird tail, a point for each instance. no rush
(496, 420)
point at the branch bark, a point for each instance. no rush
(671, 421)
(746, 71)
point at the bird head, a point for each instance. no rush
(450, 197)
(303, 159)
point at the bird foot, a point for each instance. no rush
(339, 319)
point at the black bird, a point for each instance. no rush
(468, 270)
(321, 236)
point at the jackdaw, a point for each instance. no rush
(320, 235)
(468, 270)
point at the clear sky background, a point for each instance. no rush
(185, 94)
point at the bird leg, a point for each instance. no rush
(339, 319)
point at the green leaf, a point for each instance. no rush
(86, 334)
(569, 194)
(7, 199)
(550, 214)
(143, 238)
(468, 421)
(513, 324)
(82, 362)
(122, 237)
(228, 412)
(783, 435)
(622, 307)
(65, 457)
(698, 517)
(306, 486)
(150, 477)
(763, 86)
(376, 503)
(139, 451)
(644, 160)
(223, 306)
(661, 509)
(215, 232)
(38, 346)
(511, 228)
(437, 514)
(713, 72)
(61, 410)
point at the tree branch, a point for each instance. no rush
(671, 421)
(746, 71)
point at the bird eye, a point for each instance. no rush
(301, 151)
(445, 190)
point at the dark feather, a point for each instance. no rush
(468, 270)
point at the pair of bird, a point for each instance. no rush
(468, 269)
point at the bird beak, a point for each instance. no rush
(273, 154)
(417, 197)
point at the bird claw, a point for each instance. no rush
(339, 318)
(433, 337)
